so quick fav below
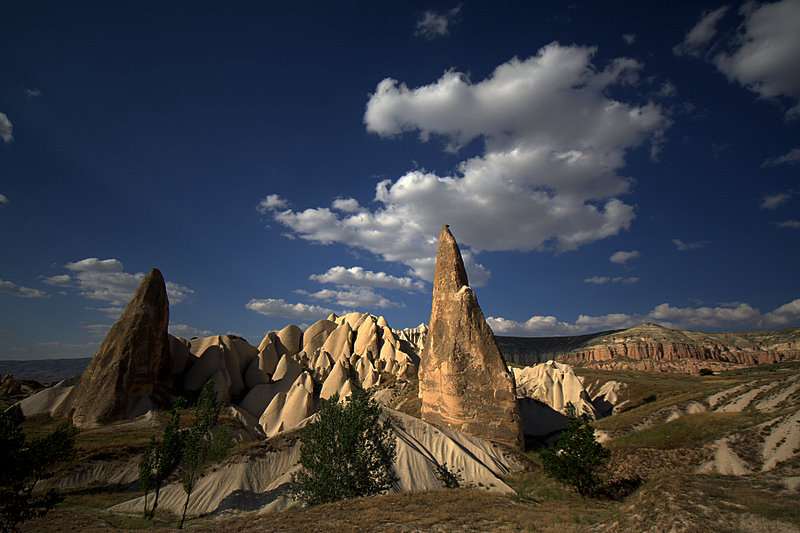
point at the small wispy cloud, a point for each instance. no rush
(684, 246)
(33, 92)
(3, 199)
(186, 331)
(623, 257)
(772, 201)
(629, 38)
(432, 24)
(600, 280)
(791, 224)
(701, 34)
(8, 287)
(789, 158)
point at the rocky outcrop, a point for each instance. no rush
(131, 370)
(654, 342)
(464, 383)
(556, 385)
(651, 347)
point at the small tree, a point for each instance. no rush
(25, 462)
(158, 462)
(576, 455)
(346, 452)
(200, 444)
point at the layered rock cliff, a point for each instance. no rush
(653, 347)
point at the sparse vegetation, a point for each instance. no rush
(451, 479)
(160, 460)
(688, 430)
(25, 462)
(346, 452)
(200, 444)
(577, 454)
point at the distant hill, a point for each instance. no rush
(653, 347)
(45, 370)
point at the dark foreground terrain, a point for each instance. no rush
(689, 453)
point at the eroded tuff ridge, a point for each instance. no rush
(464, 383)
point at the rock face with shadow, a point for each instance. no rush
(131, 370)
(464, 383)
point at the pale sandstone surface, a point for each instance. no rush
(260, 481)
(464, 383)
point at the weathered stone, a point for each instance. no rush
(289, 340)
(463, 379)
(133, 361)
(316, 335)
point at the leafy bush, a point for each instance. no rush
(576, 455)
(450, 479)
(25, 462)
(346, 452)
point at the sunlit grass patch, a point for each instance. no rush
(687, 431)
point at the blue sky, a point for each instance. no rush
(601, 164)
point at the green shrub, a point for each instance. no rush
(346, 452)
(160, 460)
(576, 455)
(24, 463)
(450, 479)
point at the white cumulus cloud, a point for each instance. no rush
(6, 128)
(763, 54)
(3, 199)
(356, 275)
(549, 176)
(730, 316)
(351, 297)
(106, 280)
(282, 309)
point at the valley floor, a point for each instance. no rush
(714, 453)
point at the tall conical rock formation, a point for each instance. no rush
(463, 379)
(132, 367)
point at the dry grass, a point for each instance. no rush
(688, 431)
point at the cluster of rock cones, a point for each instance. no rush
(464, 382)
